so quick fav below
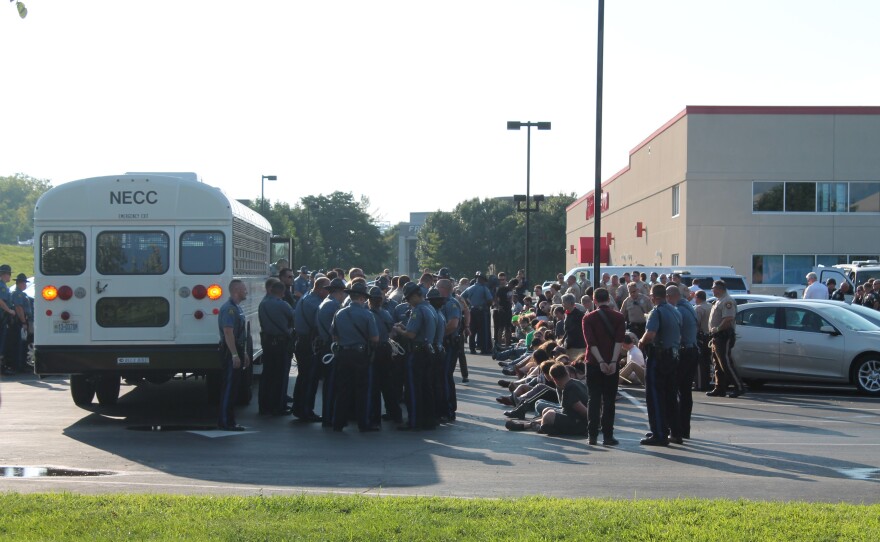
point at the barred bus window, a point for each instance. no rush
(132, 253)
(202, 252)
(62, 253)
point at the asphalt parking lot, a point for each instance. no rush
(783, 443)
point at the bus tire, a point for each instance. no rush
(107, 390)
(82, 389)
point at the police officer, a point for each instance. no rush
(438, 359)
(704, 366)
(451, 311)
(5, 317)
(324, 320)
(689, 356)
(389, 382)
(234, 358)
(286, 278)
(301, 283)
(420, 329)
(722, 329)
(479, 298)
(308, 366)
(356, 334)
(21, 305)
(661, 342)
(276, 327)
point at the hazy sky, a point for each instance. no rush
(405, 102)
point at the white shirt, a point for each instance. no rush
(817, 290)
(635, 356)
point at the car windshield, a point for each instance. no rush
(851, 320)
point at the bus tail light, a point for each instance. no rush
(198, 315)
(65, 316)
(199, 291)
(50, 293)
(215, 292)
(65, 293)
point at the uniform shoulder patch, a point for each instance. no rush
(728, 305)
(231, 311)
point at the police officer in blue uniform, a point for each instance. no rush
(438, 360)
(355, 334)
(324, 320)
(419, 330)
(308, 366)
(479, 297)
(6, 317)
(234, 358)
(301, 283)
(452, 313)
(689, 356)
(661, 342)
(388, 382)
(18, 331)
(276, 327)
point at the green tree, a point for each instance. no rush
(18, 196)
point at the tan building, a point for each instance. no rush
(771, 191)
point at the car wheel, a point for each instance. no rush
(107, 390)
(866, 374)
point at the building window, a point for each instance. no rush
(797, 266)
(864, 197)
(768, 197)
(800, 197)
(675, 200)
(831, 197)
(829, 260)
(767, 269)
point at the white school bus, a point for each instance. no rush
(131, 271)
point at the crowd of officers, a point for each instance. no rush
(363, 346)
(16, 323)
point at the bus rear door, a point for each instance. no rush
(132, 284)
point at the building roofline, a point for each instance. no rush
(738, 110)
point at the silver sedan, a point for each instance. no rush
(807, 342)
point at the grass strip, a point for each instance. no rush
(66, 516)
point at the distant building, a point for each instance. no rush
(407, 264)
(771, 191)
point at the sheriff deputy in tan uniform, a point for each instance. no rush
(722, 329)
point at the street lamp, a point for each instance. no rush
(520, 199)
(263, 190)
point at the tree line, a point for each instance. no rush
(338, 230)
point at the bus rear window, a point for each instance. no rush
(132, 312)
(62, 253)
(202, 252)
(132, 253)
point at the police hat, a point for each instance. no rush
(382, 282)
(444, 273)
(21, 278)
(5, 268)
(358, 288)
(336, 284)
(303, 269)
(376, 293)
(411, 288)
(481, 277)
(434, 293)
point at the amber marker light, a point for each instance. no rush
(50, 293)
(215, 292)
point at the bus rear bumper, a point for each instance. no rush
(125, 360)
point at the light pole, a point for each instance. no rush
(597, 186)
(263, 190)
(527, 199)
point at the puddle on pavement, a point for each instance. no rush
(42, 472)
(861, 474)
(172, 427)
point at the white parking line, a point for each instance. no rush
(634, 401)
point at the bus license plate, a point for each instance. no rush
(132, 361)
(66, 327)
